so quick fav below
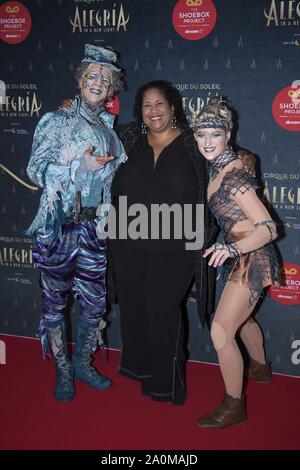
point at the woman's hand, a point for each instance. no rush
(220, 253)
(249, 161)
(66, 103)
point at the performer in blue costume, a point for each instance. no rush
(75, 183)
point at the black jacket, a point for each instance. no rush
(204, 275)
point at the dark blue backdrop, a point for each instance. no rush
(250, 56)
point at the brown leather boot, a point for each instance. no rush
(231, 411)
(261, 373)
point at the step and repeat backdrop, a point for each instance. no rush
(246, 50)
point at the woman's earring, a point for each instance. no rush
(174, 123)
(144, 128)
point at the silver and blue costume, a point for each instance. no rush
(67, 250)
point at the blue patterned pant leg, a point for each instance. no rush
(89, 282)
(77, 262)
(56, 263)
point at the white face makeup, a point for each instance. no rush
(211, 141)
(156, 111)
(96, 84)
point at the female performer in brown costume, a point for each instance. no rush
(251, 261)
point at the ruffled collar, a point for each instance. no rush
(92, 111)
(95, 115)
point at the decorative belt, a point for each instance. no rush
(85, 215)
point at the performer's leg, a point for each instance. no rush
(89, 287)
(168, 275)
(232, 312)
(252, 337)
(259, 368)
(129, 267)
(56, 264)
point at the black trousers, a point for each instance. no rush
(150, 289)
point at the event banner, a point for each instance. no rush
(245, 50)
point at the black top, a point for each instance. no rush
(204, 275)
(171, 180)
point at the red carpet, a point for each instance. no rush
(121, 418)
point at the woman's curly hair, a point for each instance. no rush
(171, 94)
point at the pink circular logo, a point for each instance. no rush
(194, 19)
(113, 105)
(286, 107)
(290, 293)
(15, 22)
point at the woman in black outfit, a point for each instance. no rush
(153, 275)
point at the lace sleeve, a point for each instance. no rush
(238, 180)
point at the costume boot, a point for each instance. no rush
(85, 346)
(231, 411)
(64, 390)
(259, 372)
